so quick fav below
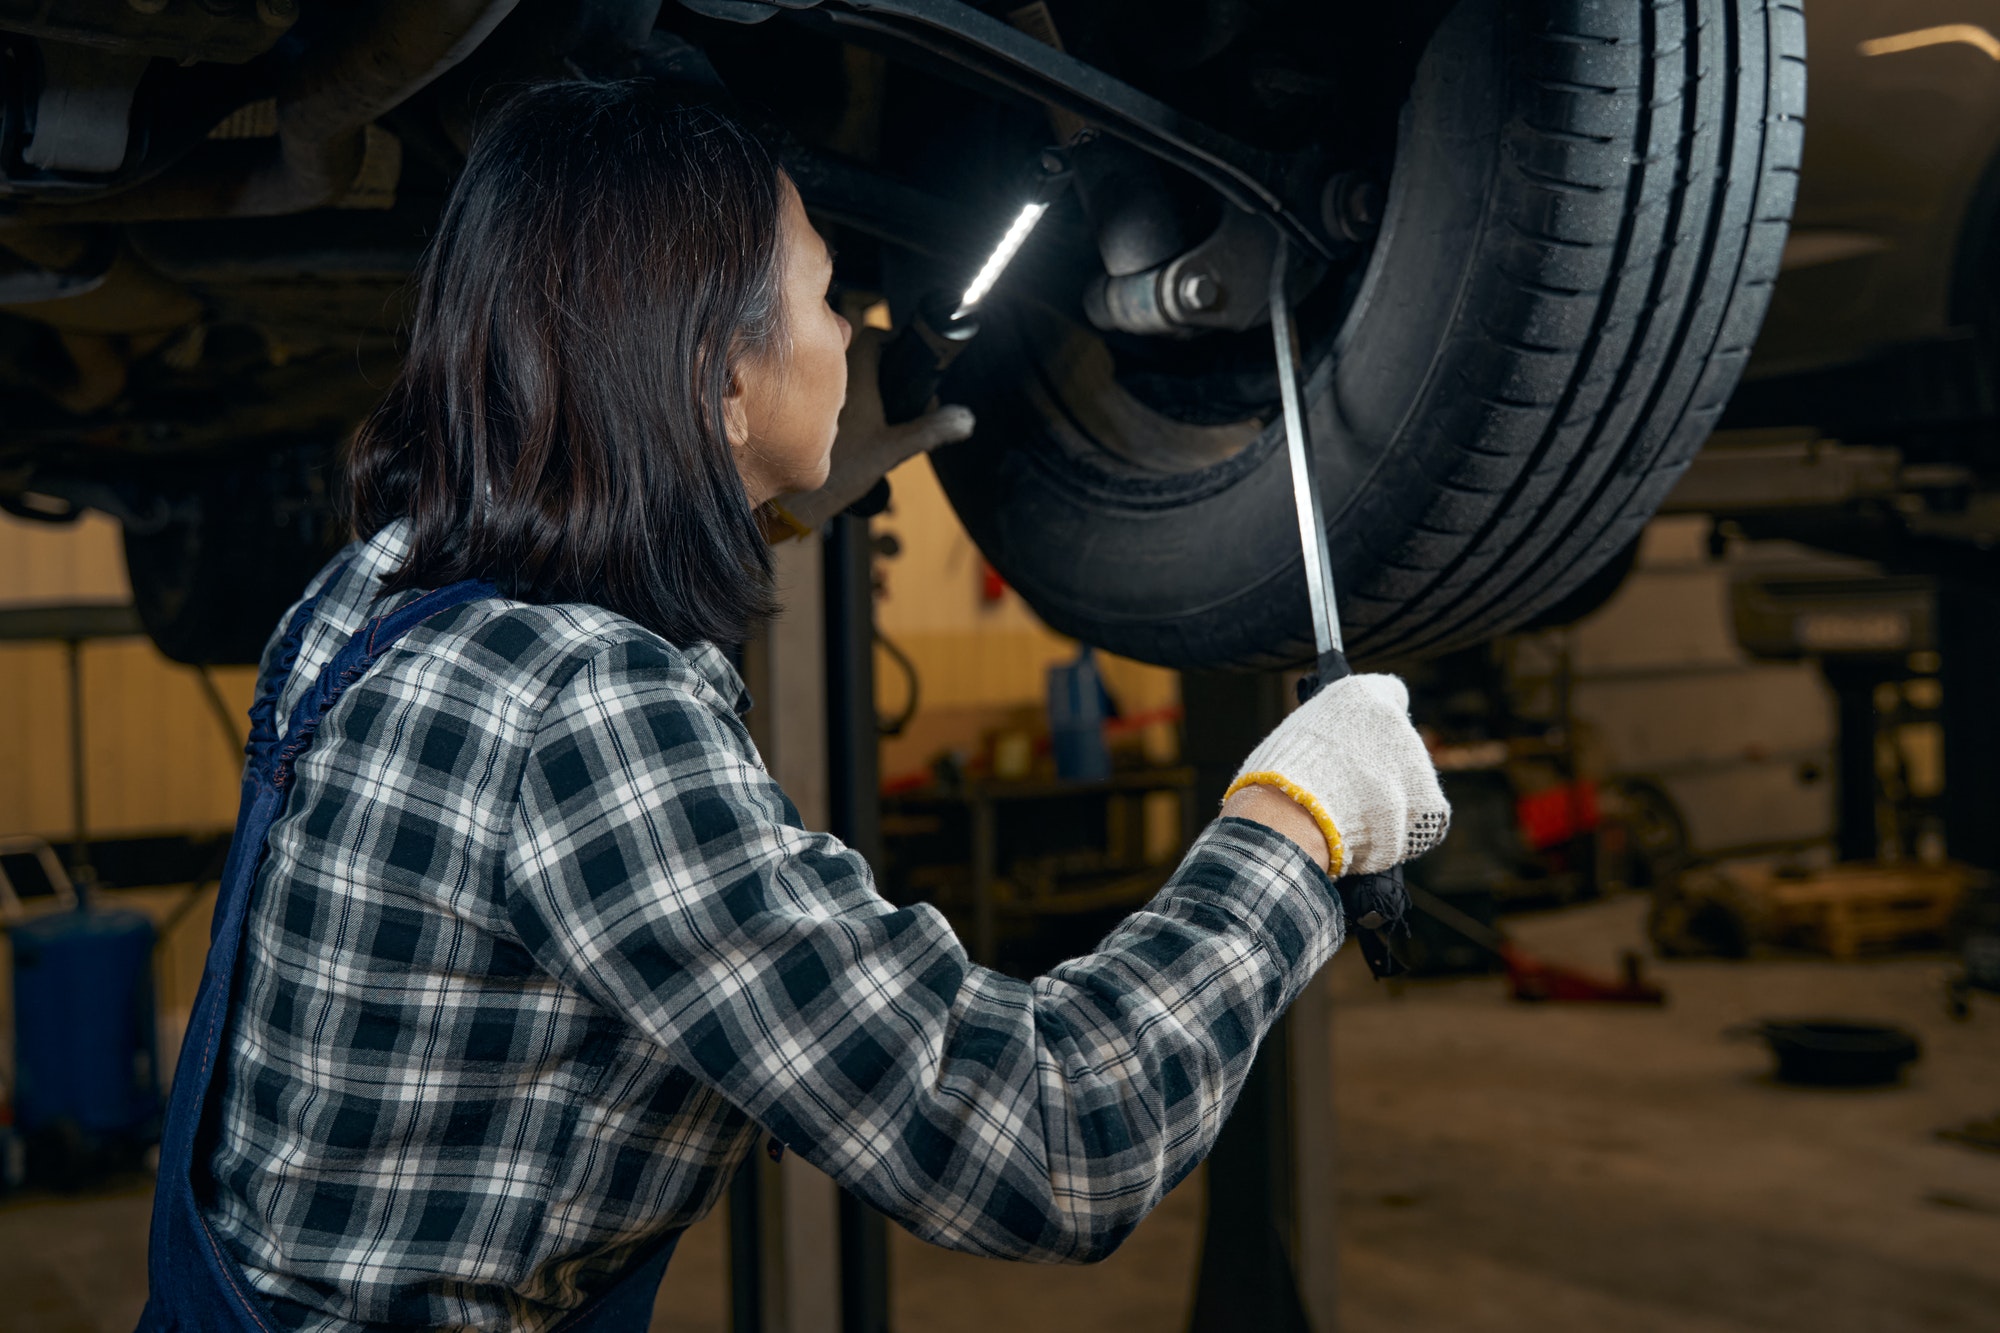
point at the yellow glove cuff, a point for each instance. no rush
(1336, 851)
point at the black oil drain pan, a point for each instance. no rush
(1837, 1052)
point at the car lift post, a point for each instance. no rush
(1969, 653)
(854, 788)
(805, 1256)
(1268, 1249)
(783, 1265)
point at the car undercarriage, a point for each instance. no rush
(1537, 239)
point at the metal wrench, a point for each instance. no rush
(1379, 904)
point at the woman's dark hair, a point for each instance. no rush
(557, 425)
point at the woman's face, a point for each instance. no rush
(784, 402)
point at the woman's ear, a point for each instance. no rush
(736, 412)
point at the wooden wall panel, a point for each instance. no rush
(155, 754)
(80, 562)
(980, 665)
(34, 745)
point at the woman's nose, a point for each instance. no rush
(846, 330)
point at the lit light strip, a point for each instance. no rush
(1948, 34)
(1003, 254)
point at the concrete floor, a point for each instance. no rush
(1506, 1167)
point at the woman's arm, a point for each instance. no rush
(1281, 814)
(657, 867)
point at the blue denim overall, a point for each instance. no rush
(196, 1285)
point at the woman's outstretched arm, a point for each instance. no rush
(658, 868)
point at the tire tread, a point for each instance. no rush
(1514, 567)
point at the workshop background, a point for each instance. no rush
(1503, 1164)
(1700, 1031)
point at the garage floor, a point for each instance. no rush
(1507, 1168)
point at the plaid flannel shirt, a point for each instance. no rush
(539, 944)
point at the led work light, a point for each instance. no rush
(1003, 255)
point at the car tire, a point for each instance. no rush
(1583, 223)
(211, 583)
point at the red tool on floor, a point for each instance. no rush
(1532, 978)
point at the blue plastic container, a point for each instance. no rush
(85, 1043)
(1078, 707)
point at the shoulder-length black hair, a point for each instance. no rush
(557, 425)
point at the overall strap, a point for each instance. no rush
(264, 709)
(196, 1284)
(353, 660)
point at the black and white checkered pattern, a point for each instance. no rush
(539, 944)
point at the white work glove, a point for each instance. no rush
(865, 446)
(1350, 757)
